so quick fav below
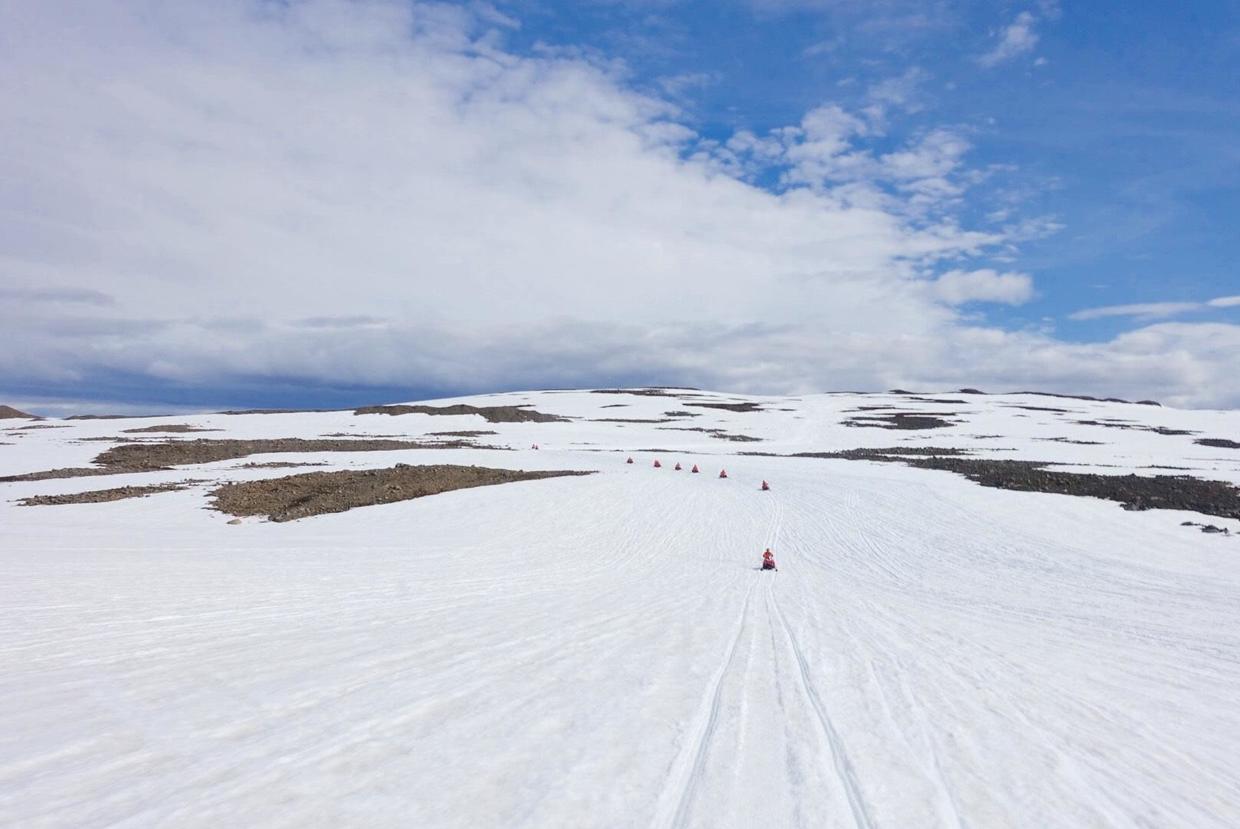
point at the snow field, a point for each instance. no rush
(602, 651)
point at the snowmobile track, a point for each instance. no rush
(843, 767)
(687, 772)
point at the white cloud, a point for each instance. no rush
(1148, 310)
(681, 85)
(1016, 39)
(379, 193)
(825, 153)
(960, 287)
(1154, 310)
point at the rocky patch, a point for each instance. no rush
(1133, 492)
(1123, 424)
(1070, 440)
(1039, 409)
(900, 420)
(148, 457)
(719, 434)
(171, 428)
(630, 420)
(316, 493)
(1217, 443)
(646, 392)
(99, 496)
(729, 407)
(1206, 528)
(492, 414)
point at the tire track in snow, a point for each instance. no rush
(689, 764)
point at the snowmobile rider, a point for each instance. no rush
(768, 560)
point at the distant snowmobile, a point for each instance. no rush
(768, 560)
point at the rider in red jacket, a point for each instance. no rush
(768, 560)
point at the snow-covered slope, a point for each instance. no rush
(602, 651)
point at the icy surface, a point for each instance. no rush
(602, 651)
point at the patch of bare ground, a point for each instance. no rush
(8, 412)
(892, 453)
(646, 392)
(279, 411)
(1132, 492)
(615, 406)
(1037, 408)
(1206, 528)
(279, 464)
(682, 413)
(1218, 443)
(171, 428)
(34, 426)
(631, 420)
(719, 434)
(1111, 423)
(729, 407)
(464, 433)
(66, 472)
(316, 493)
(99, 496)
(1070, 440)
(900, 420)
(177, 453)
(492, 414)
(112, 417)
(1087, 397)
(131, 458)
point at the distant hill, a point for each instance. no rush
(8, 412)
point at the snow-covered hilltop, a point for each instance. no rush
(991, 610)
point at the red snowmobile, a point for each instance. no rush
(768, 560)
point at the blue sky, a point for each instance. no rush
(323, 202)
(1118, 122)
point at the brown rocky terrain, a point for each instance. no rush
(315, 493)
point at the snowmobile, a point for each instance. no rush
(768, 560)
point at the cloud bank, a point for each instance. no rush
(380, 193)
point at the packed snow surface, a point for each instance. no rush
(603, 650)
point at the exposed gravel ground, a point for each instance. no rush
(99, 496)
(147, 457)
(492, 414)
(1133, 492)
(315, 493)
